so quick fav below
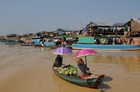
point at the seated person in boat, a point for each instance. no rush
(58, 61)
(83, 70)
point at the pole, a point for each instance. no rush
(86, 60)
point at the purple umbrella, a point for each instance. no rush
(62, 51)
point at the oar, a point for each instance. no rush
(92, 73)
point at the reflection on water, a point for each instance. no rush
(122, 67)
(122, 53)
(129, 60)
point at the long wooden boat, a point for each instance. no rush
(27, 44)
(45, 44)
(12, 42)
(106, 47)
(92, 83)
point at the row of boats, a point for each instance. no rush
(53, 43)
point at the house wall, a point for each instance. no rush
(135, 26)
(136, 41)
(91, 29)
(25, 39)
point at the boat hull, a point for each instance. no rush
(46, 44)
(92, 83)
(106, 47)
(27, 44)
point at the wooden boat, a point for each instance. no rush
(12, 42)
(27, 44)
(2, 40)
(92, 83)
(106, 47)
(45, 44)
(41, 42)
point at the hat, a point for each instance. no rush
(80, 61)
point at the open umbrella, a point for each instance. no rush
(84, 52)
(62, 51)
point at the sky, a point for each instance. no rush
(31, 16)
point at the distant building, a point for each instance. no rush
(60, 31)
(118, 29)
(94, 29)
(128, 29)
(133, 27)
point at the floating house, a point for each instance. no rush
(133, 27)
(97, 28)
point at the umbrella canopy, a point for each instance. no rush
(62, 51)
(84, 52)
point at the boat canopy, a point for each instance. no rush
(89, 40)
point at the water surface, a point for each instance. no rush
(28, 69)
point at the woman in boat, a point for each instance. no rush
(82, 69)
(58, 61)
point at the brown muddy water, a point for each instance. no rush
(28, 69)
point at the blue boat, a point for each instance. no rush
(38, 41)
(106, 47)
(88, 43)
(45, 44)
(35, 39)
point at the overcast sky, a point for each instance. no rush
(31, 16)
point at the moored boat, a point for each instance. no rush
(92, 83)
(106, 47)
(13, 42)
(27, 44)
(45, 44)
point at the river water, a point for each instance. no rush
(28, 69)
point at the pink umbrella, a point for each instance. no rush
(85, 52)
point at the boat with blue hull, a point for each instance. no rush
(45, 44)
(106, 47)
(41, 42)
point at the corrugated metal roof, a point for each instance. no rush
(103, 24)
(92, 25)
(118, 25)
(136, 19)
(99, 24)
